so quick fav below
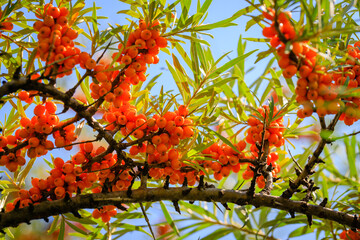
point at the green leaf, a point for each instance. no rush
(77, 229)
(53, 226)
(226, 22)
(224, 139)
(62, 229)
(229, 64)
(351, 155)
(169, 218)
(219, 233)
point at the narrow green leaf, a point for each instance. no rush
(224, 139)
(169, 218)
(229, 64)
(62, 229)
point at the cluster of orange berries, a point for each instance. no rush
(317, 89)
(225, 159)
(107, 170)
(349, 80)
(69, 177)
(301, 50)
(12, 160)
(6, 24)
(35, 132)
(106, 212)
(55, 40)
(28, 96)
(64, 177)
(142, 47)
(274, 130)
(166, 132)
(349, 234)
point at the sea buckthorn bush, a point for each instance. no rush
(92, 140)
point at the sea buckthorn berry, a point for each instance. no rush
(161, 42)
(161, 122)
(304, 71)
(68, 167)
(179, 120)
(49, 21)
(90, 63)
(289, 71)
(62, 20)
(3, 141)
(146, 34)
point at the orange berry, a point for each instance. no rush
(161, 42)
(146, 34)
(289, 71)
(54, 12)
(161, 122)
(49, 21)
(62, 20)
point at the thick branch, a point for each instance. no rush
(46, 209)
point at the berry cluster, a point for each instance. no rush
(225, 159)
(69, 178)
(12, 160)
(55, 40)
(105, 213)
(33, 135)
(142, 47)
(163, 133)
(318, 89)
(272, 132)
(349, 234)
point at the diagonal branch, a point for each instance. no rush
(308, 169)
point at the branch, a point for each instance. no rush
(308, 169)
(47, 209)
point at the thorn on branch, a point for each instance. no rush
(31, 207)
(17, 205)
(129, 191)
(310, 219)
(201, 183)
(292, 214)
(324, 202)
(192, 202)
(78, 191)
(226, 206)
(16, 75)
(120, 206)
(258, 145)
(176, 206)
(185, 183)
(354, 223)
(76, 214)
(297, 171)
(186, 191)
(67, 197)
(105, 187)
(319, 160)
(167, 182)
(46, 219)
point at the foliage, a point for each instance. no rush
(82, 100)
